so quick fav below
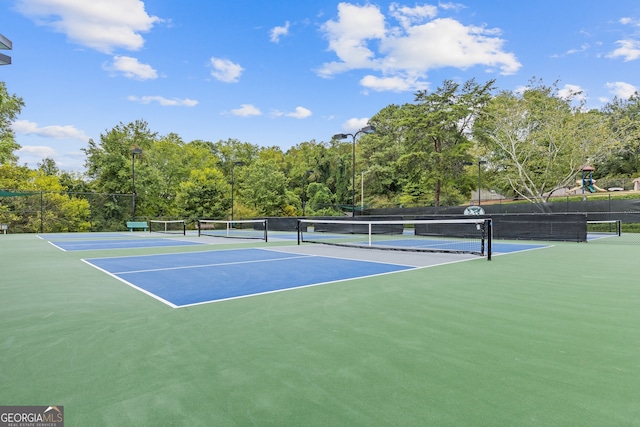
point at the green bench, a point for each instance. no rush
(131, 225)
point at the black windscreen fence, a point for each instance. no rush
(547, 227)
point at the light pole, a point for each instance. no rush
(233, 166)
(5, 43)
(480, 162)
(134, 151)
(366, 129)
(362, 191)
(303, 195)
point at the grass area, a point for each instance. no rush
(547, 337)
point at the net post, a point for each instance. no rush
(619, 225)
(184, 228)
(199, 227)
(489, 228)
(369, 234)
(265, 230)
(298, 229)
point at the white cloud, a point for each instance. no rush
(621, 89)
(103, 25)
(225, 70)
(445, 42)
(583, 48)
(164, 102)
(349, 35)
(394, 84)
(354, 125)
(363, 38)
(131, 68)
(408, 16)
(58, 132)
(452, 6)
(629, 50)
(246, 110)
(278, 32)
(32, 155)
(572, 92)
(630, 21)
(38, 151)
(299, 113)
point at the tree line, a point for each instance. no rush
(528, 144)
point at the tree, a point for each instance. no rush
(416, 156)
(436, 136)
(48, 167)
(623, 117)
(537, 141)
(321, 200)
(167, 163)
(264, 187)
(45, 206)
(109, 166)
(204, 195)
(379, 154)
(10, 107)
(109, 161)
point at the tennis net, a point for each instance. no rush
(178, 226)
(472, 235)
(243, 229)
(607, 227)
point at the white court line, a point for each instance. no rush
(210, 265)
(144, 291)
(346, 258)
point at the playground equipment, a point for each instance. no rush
(587, 182)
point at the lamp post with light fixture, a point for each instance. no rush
(134, 151)
(480, 162)
(366, 129)
(232, 184)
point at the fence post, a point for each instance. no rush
(41, 213)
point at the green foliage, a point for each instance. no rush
(264, 187)
(418, 150)
(424, 153)
(205, 195)
(537, 141)
(47, 209)
(624, 122)
(10, 107)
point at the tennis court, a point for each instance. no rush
(543, 334)
(180, 280)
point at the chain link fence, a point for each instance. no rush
(53, 212)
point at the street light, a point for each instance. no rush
(303, 195)
(480, 162)
(134, 151)
(362, 191)
(366, 129)
(5, 43)
(233, 166)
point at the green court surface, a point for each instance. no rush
(548, 337)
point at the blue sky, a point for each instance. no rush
(278, 73)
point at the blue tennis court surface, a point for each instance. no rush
(199, 277)
(85, 245)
